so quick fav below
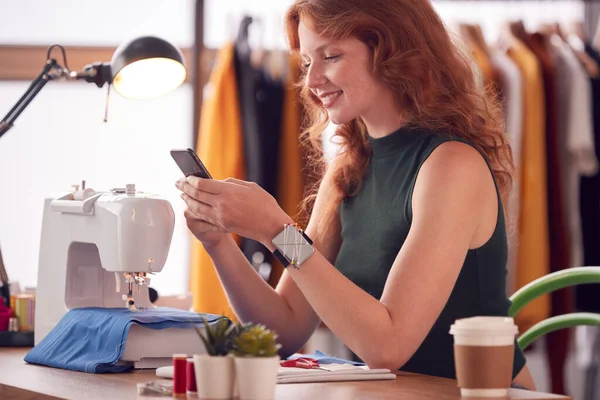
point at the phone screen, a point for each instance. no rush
(190, 164)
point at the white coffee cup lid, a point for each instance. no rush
(479, 325)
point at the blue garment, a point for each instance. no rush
(324, 358)
(93, 339)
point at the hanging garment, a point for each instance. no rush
(576, 139)
(512, 102)
(561, 300)
(290, 181)
(261, 99)
(532, 258)
(587, 295)
(221, 148)
(484, 65)
(492, 79)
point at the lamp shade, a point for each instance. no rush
(147, 67)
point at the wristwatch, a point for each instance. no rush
(292, 246)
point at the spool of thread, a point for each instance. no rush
(83, 194)
(190, 378)
(25, 311)
(179, 374)
(13, 324)
(5, 315)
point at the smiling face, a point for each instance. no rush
(339, 73)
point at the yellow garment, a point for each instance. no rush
(221, 148)
(290, 181)
(533, 246)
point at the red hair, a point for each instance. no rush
(432, 80)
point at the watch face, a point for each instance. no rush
(293, 245)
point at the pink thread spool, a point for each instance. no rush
(190, 378)
(5, 314)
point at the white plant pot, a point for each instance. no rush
(215, 376)
(256, 377)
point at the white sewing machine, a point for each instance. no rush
(97, 250)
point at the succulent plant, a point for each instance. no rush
(217, 338)
(255, 340)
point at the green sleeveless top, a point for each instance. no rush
(375, 224)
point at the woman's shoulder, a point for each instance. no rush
(450, 150)
(450, 158)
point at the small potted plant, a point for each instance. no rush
(256, 361)
(215, 370)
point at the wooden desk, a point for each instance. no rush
(19, 380)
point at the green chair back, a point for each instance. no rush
(548, 284)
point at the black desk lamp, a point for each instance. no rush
(141, 68)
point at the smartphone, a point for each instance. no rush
(190, 164)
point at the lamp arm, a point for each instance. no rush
(98, 73)
(52, 70)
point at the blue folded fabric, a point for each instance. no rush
(324, 358)
(93, 339)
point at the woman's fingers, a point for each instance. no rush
(198, 209)
(195, 193)
(212, 186)
(200, 225)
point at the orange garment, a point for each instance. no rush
(483, 62)
(490, 74)
(290, 181)
(533, 247)
(220, 146)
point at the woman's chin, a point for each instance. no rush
(337, 118)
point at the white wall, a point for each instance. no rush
(61, 139)
(101, 23)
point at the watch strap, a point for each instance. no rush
(281, 257)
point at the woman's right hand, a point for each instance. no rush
(209, 234)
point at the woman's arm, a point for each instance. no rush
(285, 309)
(454, 193)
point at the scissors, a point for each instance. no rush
(302, 362)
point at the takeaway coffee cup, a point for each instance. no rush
(483, 355)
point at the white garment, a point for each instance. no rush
(587, 346)
(576, 137)
(513, 115)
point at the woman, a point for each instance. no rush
(408, 224)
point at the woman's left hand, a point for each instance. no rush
(237, 206)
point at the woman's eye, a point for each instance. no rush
(330, 58)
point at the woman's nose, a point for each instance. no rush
(315, 77)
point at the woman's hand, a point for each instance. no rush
(235, 206)
(209, 234)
